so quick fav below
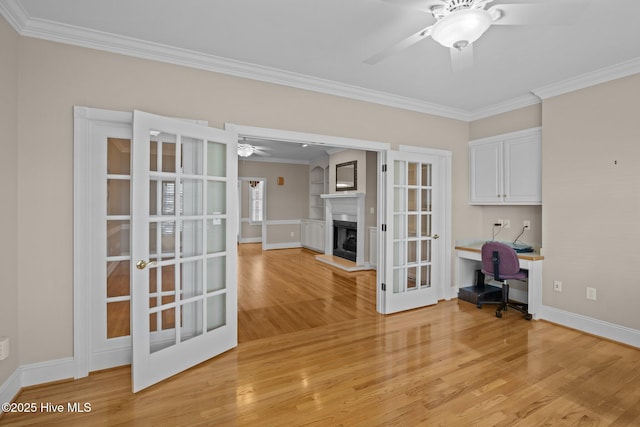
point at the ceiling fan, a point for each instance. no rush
(246, 149)
(459, 23)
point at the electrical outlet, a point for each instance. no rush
(591, 293)
(557, 285)
(501, 222)
(506, 223)
(527, 224)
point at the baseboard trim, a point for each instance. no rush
(590, 325)
(250, 240)
(11, 387)
(285, 245)
(34, 374)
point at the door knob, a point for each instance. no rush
(142, 264)
(435, 236)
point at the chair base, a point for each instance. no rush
(506, 303)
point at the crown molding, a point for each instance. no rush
(593, 78)
(504, 107)
(18, 18)
(73, 35)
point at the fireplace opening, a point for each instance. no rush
(345, 239)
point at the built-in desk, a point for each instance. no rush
(468, 260)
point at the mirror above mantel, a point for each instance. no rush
(347, 176)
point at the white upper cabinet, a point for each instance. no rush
(507, 169)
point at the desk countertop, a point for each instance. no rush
(476, 247)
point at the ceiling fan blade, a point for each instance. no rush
(422, 5)
(403, 44)
(543, 13)
(461, 59)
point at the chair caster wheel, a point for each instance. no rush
(498, 314)
(528, 316)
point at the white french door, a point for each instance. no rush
(183, 246)
(415, 215)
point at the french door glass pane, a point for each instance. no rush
(425, 276)
(216, 198)
(118, 196)
(426, 174)
(118, 324)
(192, 197)
(426, 200)
(191, 238)
(412, 174)
(216, 235)
(216, 311)
(168, 158)
(118, 156)
(216, 273)
(399, 173)
(191, 322)
(117, 278)
(118, 232)
(412, 197)
(412, 251)
(425, 225)
(191, 279)
(399, 199)
(411, 278)
(425, 250)
(192, 155)
(412, 222)
(216, 159)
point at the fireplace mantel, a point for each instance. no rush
(347, 206)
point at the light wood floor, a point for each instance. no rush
(313, 351)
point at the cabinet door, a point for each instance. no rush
(523, 167)
(486, 172)
(318, 240)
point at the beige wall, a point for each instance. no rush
(9, 279)
(55, 77)
(591, 199)
(523, 118)
(346, 156)
(284, 202)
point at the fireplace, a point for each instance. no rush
(345, 239)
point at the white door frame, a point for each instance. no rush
(87, 122)
(445, 291)
(83, 219)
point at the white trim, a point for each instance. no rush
(510, 135)
(593, 78)
(426, 150)
(24, 25)
(36, 373)
(309, 138)
(283, 222)
(505, 106)
(250, 240)
(44, 372)
(449, 289)
(11, 387)
(93, 39)
(592, 326)
(284, 245)
(274, 160)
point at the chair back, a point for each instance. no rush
(508, 261)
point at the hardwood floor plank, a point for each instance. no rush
(313, 351)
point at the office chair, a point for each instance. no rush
(501, 262)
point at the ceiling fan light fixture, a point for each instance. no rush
(461, 28)
(245, 150)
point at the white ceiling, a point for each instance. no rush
(321, 45)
